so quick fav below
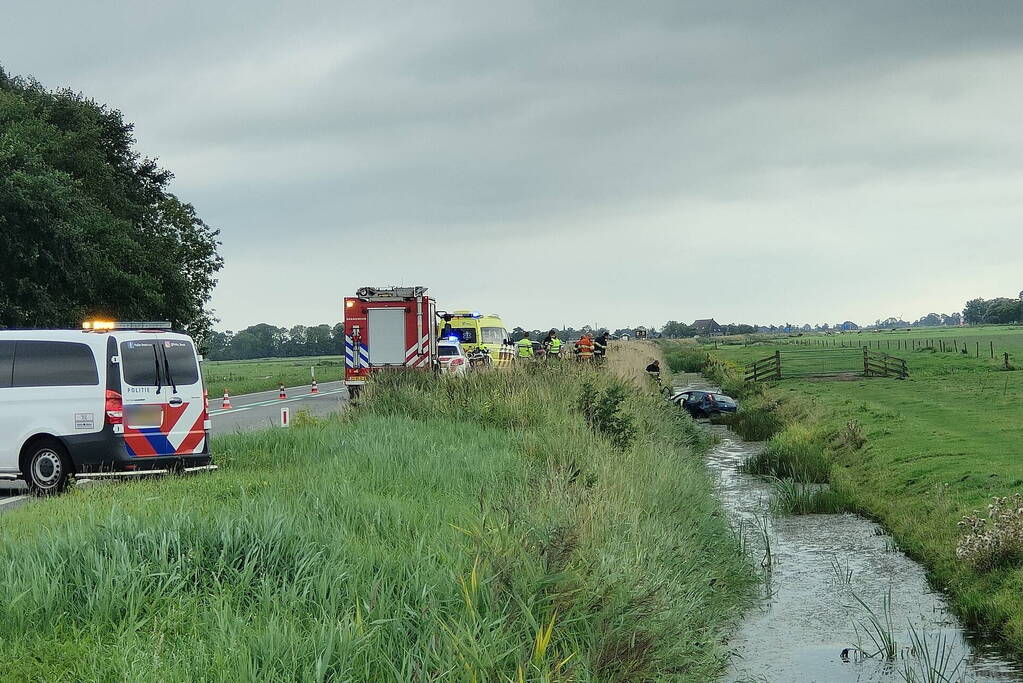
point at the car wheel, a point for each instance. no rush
(47, 468)
(353, 392)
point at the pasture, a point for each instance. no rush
(939, 445)
(264, 374)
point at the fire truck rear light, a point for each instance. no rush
(113, 408)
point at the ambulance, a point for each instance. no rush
(111, 397)
(388, 328)
(474, 330)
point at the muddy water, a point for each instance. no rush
(808, 613)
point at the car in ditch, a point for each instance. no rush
(701, 403)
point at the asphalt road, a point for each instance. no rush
(247, 412)
(263, 410)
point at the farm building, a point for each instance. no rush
(707, 328)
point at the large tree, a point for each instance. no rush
(88, 226)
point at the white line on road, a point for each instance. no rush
(15, 499)
(273, 401)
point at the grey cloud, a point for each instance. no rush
(338, 122)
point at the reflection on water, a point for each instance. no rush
(808, 615)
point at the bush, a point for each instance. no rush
(756, 422)
(603, 415)
(797, 452)
(687, 360)
(995, 540)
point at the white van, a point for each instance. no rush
(99, 400)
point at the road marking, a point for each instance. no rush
(11, 501)
(271, 402)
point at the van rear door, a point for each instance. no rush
(164, 406)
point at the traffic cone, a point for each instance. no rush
(226, 403)
(283, 393)
(314, 389)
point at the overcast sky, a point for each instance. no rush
(573, 162)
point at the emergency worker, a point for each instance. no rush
(585, 348)
(600, 347)
(524, 347)
(554, 351)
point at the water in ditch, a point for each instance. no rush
(808, 625)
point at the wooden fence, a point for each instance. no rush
(832, 362)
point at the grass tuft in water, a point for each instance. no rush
(798, 452)
(932, 661)
(796, 498)
(879, 628)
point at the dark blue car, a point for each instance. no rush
(699, 403)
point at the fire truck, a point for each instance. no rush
(388, 328)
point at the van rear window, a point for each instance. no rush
(53, 364)
(142, 362)
(181, 358)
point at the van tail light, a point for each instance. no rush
(113, 408)
(455, 362)
(206, 401)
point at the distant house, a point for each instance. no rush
(707, 328)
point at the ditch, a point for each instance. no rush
(840, 601)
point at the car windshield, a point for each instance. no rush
(494, 335)
(466, 335)
(447, 350)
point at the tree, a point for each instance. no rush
(973, 312)
(1001, 310)
(87, 225)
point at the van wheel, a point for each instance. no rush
(47, 468)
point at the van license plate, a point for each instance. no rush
(143, 416)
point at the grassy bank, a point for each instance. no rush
(264, 374)
(917, 455)
(467, 530)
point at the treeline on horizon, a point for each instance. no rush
(269, 341)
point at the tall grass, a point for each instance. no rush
(798, 452)
(467, 530)
(686, 359)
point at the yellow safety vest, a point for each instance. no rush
(525, 348)
(555, 346)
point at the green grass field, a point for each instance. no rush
(470, 530)
(263, 374)
(938, 445)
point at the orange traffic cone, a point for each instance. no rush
(283, 393)
(226, 403)
(314, 390)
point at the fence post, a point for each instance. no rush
(992, 348)
(866, 362)
(777, 364)
(1006, 360)
(978, 349)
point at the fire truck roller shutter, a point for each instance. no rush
(386, 336)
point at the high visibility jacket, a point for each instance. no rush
(585, 346)
(525, 348)
(555, 347)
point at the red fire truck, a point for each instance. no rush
(388, 327)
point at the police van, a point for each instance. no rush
(112, 397)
